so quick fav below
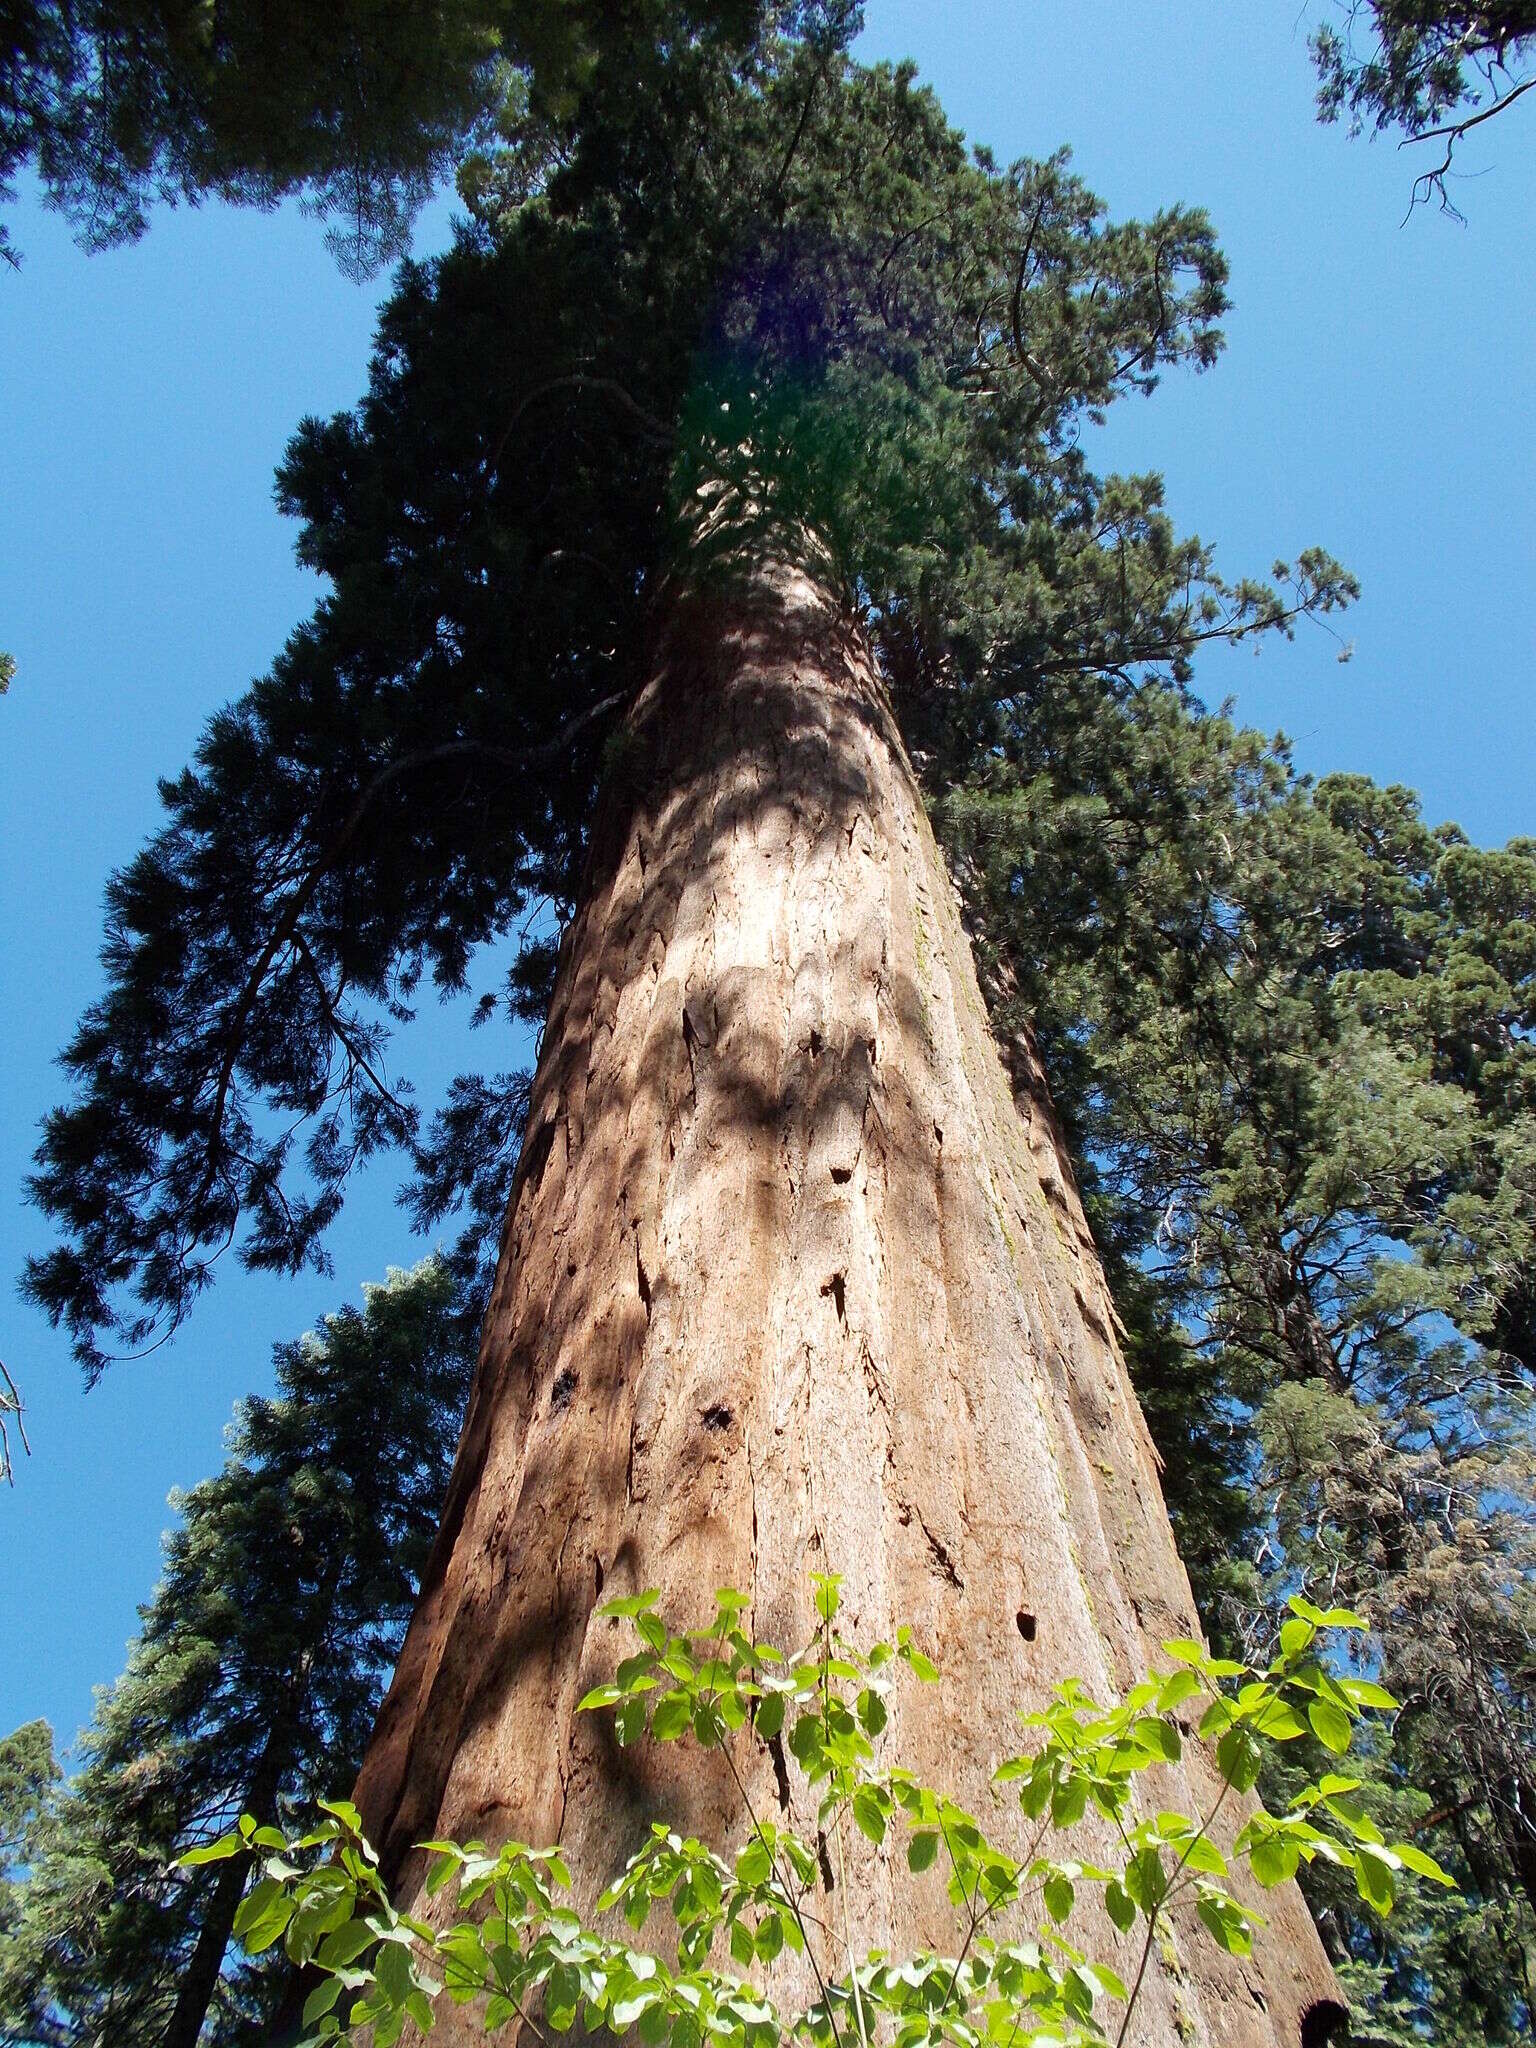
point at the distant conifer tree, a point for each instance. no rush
(251, 1686)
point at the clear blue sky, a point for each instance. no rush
(1378, 396)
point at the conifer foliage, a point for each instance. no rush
(360, 108)
(1290, 1030)
(251, 1687)
(1436, 71)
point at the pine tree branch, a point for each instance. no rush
(286, 926)
(1454, 130)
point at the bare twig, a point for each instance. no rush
(10, 1406)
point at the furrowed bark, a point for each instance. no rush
(789, 1280)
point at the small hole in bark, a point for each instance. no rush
(837, 1288)
(717, 1418)
(938, 1132)
(1026, 1625)
(826, 1871)
(1320, 2022)
(841, 1175)
(817, 1042)
(597, 1573)
(536, 1152)
(561, 1392)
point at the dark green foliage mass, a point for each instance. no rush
(28, 1777)
(1291, 1032)
(360, 106)
(251, 1687)
(1433, 70)
(1288, 1027)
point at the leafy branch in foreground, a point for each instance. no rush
(515, 1940)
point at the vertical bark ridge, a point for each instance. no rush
(789, 1279)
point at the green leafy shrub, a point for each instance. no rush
(514, 1939)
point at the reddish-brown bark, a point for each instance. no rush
(789, 1279)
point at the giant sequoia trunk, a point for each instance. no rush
(789, 1280)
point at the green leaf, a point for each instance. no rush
(1342, 1617)
(1069, 1801)
(321, 1999)
(562, 1995)
(1238, 1756)
(1278, 1720)
(1059, 1896)
(468, 1964)
(1225, 1923)
(263, 1913)
(211, 1852)
(317, 1913)
(1104, 1980)
(1159, 1738)
(826, 1585)
(805, 1740)
(1201, 1853)
(922, 1849)
(393, 1971)
(1216, 1718)
(1177, 1687)
(1146, 1880)
(1121, 1906)
(769, 1718)
(1330, 1724)
(1365, 1693)
(1185, 1650)
(629, 1723)
(1421, 1865)
(869, 1813)
(1296, 1635)
(627, 1610)
(1374, 1878)
(1273, 1859)
(872, 1711)
(671, 1718)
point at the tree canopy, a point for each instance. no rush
(905, 340)
(361, 108)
